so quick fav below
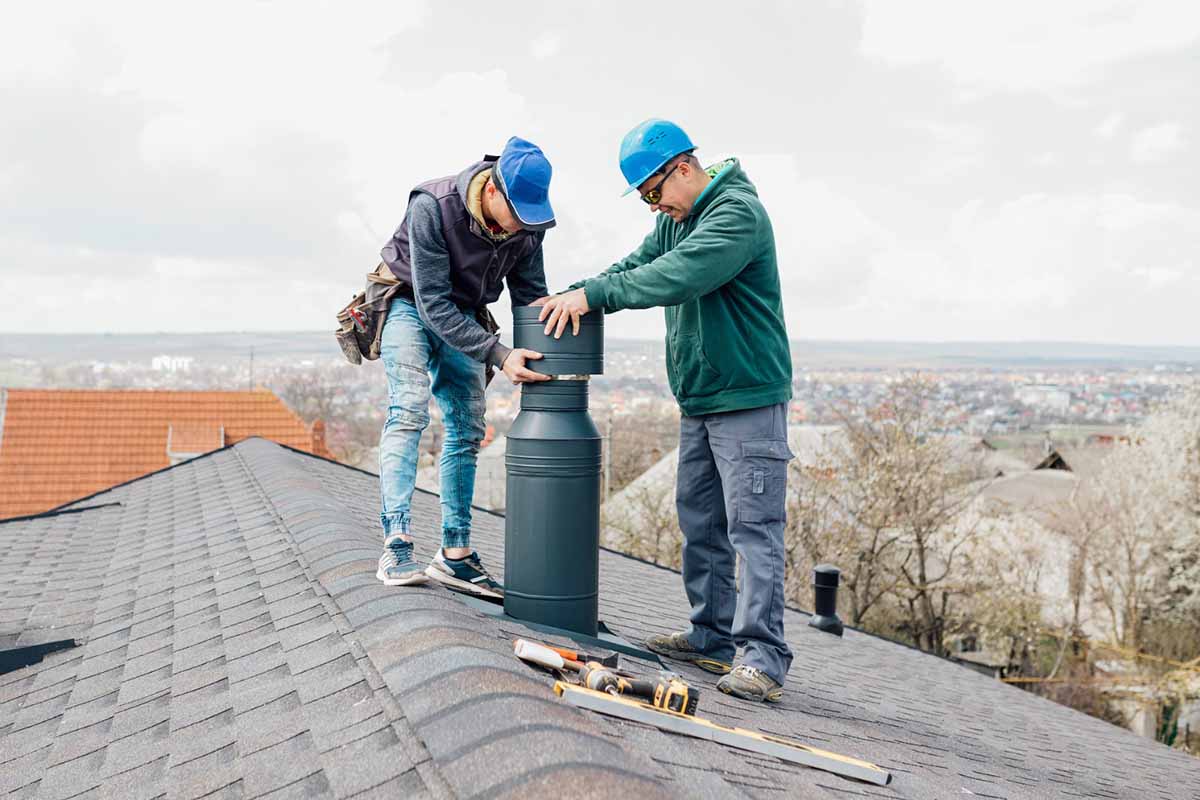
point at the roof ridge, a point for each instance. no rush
(341, 562)
(252, 458)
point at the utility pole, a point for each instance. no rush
(251, 368)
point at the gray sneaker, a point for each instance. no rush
(464, 575)
(677, 646)
(751, 683)
(396, 565)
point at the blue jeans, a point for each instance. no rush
(418, 364)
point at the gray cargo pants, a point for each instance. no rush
(731, 497)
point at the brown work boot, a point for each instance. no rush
(677, 646)
(751, 683)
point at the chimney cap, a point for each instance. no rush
(826, 575)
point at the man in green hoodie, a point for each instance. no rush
(710, 262)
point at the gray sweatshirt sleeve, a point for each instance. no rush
(431, 284)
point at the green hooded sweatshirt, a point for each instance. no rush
(715, 273)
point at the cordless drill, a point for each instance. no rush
(668, 692)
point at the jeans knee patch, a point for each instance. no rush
(762, 484)
(407, 419)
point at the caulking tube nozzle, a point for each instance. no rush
(538, 654)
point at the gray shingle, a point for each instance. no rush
(72, 778)
(409, 785)
(285, 764)
(203, 774)
(143, 781)
(364, 762)
(21, 769)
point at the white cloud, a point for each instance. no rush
(1108, 128)
(1156, 143)
(957, 150)
(545, 46)
(1065, 267)
(1025, 46)
(1158, 277)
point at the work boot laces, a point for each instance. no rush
(750, 673)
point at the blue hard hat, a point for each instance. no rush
(648, 146)
(523, 175)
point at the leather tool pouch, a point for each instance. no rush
(360, 322)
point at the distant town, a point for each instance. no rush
(985, 389)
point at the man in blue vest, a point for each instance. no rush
(462, 238)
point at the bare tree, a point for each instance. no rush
(835, 516)
(1137, 524)
(642, 521)
(636, 442)
(888, 504)
(335, 394)
(315, 393)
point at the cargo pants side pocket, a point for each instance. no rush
(762, 486)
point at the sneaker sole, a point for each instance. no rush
(701, 661)
(458, 585)
(772, 697)
(415, 579)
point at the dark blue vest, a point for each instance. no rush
(478, 264)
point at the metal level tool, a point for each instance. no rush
(740, 738)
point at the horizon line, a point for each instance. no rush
(813, 340)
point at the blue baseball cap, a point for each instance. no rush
(523, 175)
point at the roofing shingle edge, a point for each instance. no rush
(458, 661)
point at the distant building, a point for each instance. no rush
(1045, 396)
(1084, 461)
(171, 363)
(57, 445)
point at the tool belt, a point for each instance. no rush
(360, 322)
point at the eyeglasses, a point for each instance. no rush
(654, 194)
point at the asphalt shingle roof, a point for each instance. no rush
(235, 643)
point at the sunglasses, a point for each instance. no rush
(654, 194)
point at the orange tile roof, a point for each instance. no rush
(194, 437)
(58, 445)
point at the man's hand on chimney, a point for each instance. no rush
(560, 309)
(514, 366)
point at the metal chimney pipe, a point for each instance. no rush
(553, 463)
(825, 585)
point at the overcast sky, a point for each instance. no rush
(934, 170)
